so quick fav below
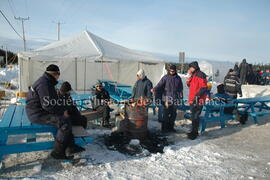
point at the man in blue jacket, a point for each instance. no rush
(171, 87)
(43, 107)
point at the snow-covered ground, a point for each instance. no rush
(235, 152)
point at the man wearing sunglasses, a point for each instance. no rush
(101, 100)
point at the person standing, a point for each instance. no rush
(101, 100)
(232, 84)
(42, 107)
(142, 87)
(171, 87)
(243, 71)
(236, 69)
(197, 84)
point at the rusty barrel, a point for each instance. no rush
(137, 121)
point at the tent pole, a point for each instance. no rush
(84, 73)
(118, 71)
(76, 74)
(20, 73)
(102, 68)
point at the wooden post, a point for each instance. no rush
(182, 61)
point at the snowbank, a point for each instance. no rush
(7, 74)
(250, 91)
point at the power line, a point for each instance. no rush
(23, 19)
(10, 24)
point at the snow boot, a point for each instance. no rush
(75, 149)
(192, 135)
(59, 152)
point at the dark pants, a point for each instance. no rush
(64, 134)
(195, 117)
(79, 120)
(160, 113)
(169, 115)
(105, 111)
(243, 78)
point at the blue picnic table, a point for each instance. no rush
(118, 92)
(213, 113)
(82, 100)
(256, 106)
(16, 122)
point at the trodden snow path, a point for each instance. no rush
(235, 152)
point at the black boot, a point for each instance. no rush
(192, 135)
(171, 128)
(59, 152)
(73, 148)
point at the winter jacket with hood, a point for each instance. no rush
(171, 88)
(197, 84)
(232, 84)
(42, 99)
(142, 88)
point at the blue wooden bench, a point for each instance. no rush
(15, 122)
(82, 100)
(257, 106)
(213, 113)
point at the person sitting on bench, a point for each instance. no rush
(222, 97)
(42, 107)
(101, 100)
(76, 118)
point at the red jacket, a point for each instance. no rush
(197, 84)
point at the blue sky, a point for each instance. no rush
(219, 30)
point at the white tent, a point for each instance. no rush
(85, 58)
(216, 69)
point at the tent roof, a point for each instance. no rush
(86, 45)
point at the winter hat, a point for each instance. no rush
(220, 89)
(230, 70)
(172, 67)
(98, 84)
(66, 87)
(195, 65)
(141, 74)
(53, 69)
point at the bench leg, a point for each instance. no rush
(254, 117)
(31, 138)
(202, 125)
(222, 123)
(3, 142)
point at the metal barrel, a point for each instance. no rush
(137, 121)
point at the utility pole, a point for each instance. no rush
(58, 29)
(182, 61)
(6, 57)
(22, 20)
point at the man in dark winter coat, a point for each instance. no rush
(64, 94)
(236, 69)
(43, 107)
(171, 87)
(197, 84)
(232, 84)
(101, 100)
(243, 70)
(142, 87)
